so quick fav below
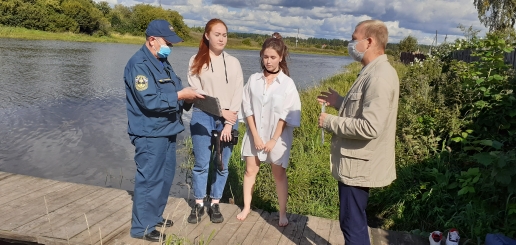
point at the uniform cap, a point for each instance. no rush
(161, 28)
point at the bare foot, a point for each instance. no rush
(283, 221)
(242, 215)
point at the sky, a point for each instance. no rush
(329, 18)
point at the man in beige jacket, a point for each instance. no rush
(362, 146)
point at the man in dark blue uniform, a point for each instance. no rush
(155, 101)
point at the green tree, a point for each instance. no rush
(119, 18)
(469, 32)
(9, 12)
(176, 20)
(497, 15)
(103, 7)
(84, 12)
(143, 14)
(408, 44)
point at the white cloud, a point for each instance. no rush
(330, 18)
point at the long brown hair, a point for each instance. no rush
(276, 43)
(203, 55)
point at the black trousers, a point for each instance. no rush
(352, 215)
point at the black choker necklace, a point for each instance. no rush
(273, 72)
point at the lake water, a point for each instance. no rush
(63, 114)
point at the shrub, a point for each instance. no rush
(246, 41)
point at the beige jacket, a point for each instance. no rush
(362, 146)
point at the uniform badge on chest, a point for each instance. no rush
(141, 82)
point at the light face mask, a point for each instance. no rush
(164, 51)
(353, 52)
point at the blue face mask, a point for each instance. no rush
(164, 51)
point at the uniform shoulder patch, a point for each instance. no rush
(141, 82)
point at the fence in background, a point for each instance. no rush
(464, 55)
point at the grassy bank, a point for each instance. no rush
(23, 33)
(233, 43)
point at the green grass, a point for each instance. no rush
(233, 43)
(23, 33)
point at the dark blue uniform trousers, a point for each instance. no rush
(352, 215)
(156, 165)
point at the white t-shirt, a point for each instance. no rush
(268, 105)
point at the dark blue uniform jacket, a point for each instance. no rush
(151, 87)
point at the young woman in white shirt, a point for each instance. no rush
(271, 109)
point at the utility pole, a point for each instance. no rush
(433, 41)
(159, 3)
(297, 36)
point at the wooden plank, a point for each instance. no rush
(309, 231)
(260, 236)
(122, 234)
(258, 226)
(22, 187)
(55, 200)
(230, 223)
(245, 227)
(300, 228)
(4, 175)
(123, 238)
(336, 236)
(378, 237)
(275, 232)
(19, 182)
(289, 231)
(405, 238)
(18, 237)
(20, 206)
(230, 228)
(107, 227)
(7, 179)
(71, 211)
(54, 241)
(204, 230)
(94, 216)
(322, 233)
(173, 208)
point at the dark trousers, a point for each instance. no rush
(352, 215)
(155, 168)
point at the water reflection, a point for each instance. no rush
(63, 112)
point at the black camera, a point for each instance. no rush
(216, 137)
(234, 137)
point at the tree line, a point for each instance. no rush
(86, 16)
(335, 44)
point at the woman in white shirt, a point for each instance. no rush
(271, 108)
(213, 72)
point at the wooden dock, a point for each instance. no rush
(52, 212)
